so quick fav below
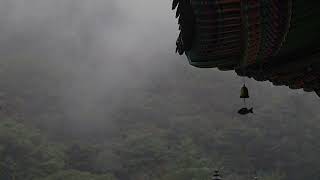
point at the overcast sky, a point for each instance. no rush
(101, 43)
(106, 47)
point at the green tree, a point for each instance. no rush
(275, 175)
(78, 175)
(26, 154)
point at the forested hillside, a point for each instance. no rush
(92, 90)
(179, 124)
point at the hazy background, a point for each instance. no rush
(91, 70)
(92, 52)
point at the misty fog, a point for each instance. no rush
(112, 51)
(83, 69)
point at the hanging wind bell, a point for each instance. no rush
(244, 94)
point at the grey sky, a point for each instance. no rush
(108, 49)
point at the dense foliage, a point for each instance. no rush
(149, 154)
(178, 152)
(165, 130)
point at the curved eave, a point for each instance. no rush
(299, 71)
